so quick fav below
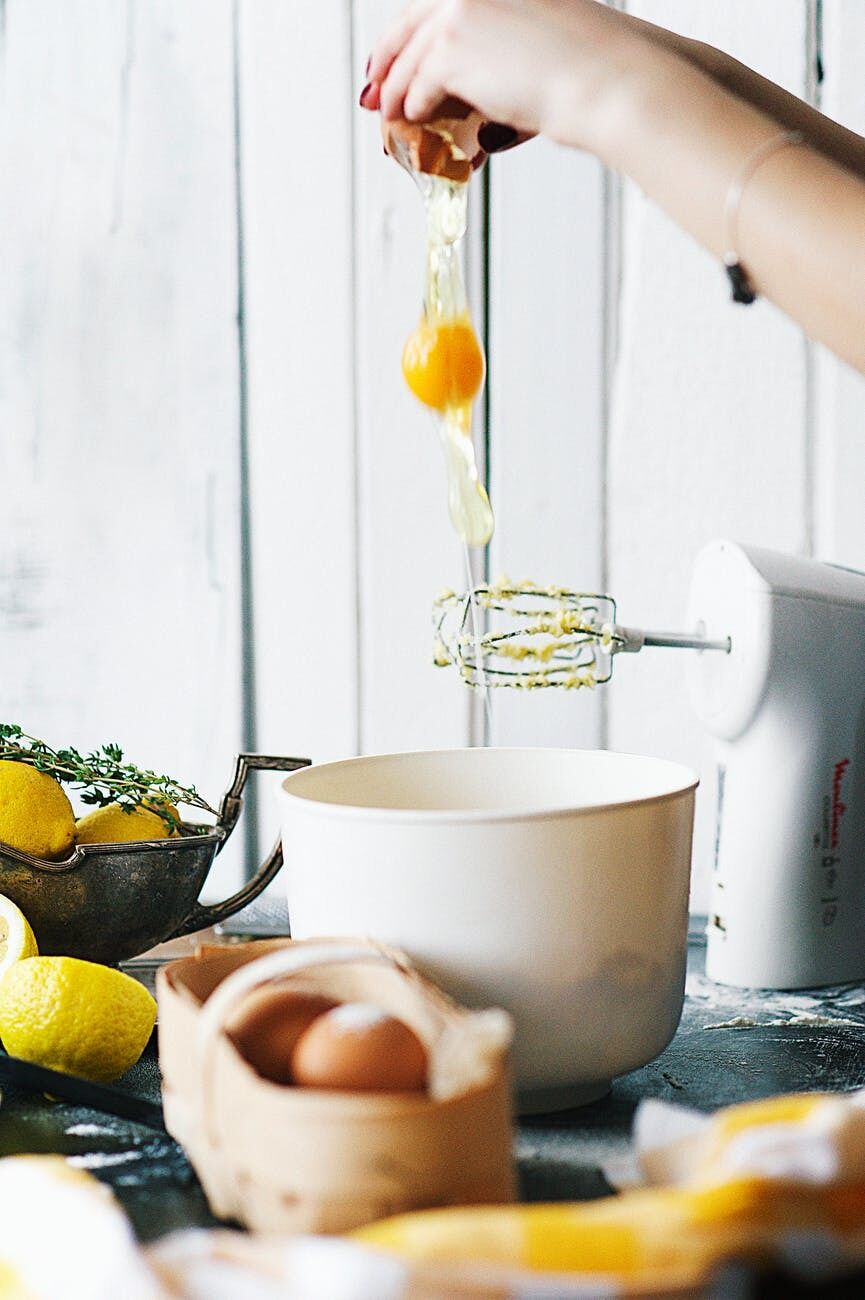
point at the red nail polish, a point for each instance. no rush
(363, 94)
(495, 136)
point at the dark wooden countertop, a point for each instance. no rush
(732, 1045)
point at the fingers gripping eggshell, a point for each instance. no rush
(445, 147)
(358, 1047)
(268, 1024)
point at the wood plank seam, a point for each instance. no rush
(357, 521)
(813, 76)
(246, 593)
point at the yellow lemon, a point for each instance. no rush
(17, 940)
(112, 825)
(35, 815)
(75, 1016)
(11, 1285)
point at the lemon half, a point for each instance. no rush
(17, 940)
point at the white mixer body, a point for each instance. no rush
(787, 709)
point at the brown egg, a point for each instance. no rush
(268, 1024)
(358, 1047)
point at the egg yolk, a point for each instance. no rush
(443, 364)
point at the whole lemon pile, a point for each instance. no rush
(74, 1016)
(35, 813)
(36, 816)
(113, 825)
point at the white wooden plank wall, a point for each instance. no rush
(406, 549)
(547, 407)
(709, 429)
(295, 165)
(839, 398)
(119, 574)
(209, 272)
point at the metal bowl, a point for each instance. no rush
(110, 902)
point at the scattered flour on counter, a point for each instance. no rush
(806, 1021)
(755, 1008)
(738, 1022)
(818, 1020)
(103, 1159)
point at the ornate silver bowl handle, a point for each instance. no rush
(204, 915)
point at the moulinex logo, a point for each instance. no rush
(838, 808)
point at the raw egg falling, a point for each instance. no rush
(443, 361)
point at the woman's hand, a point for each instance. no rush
(538, 65)
(680, 119)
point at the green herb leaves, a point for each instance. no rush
(101, 777)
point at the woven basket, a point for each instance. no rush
(289, 1159)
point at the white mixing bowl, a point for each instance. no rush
(551, 882)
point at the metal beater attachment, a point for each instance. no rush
(531, 637)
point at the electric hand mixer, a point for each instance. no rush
(777, 682)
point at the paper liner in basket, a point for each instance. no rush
(289, 1159)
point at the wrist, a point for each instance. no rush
(666, 114)
(604, 113)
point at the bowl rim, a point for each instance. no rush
(687, 783)
(79, 853)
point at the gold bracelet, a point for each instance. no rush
(742, 289)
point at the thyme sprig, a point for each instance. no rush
(102, 777)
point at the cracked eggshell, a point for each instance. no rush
(445, 147)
